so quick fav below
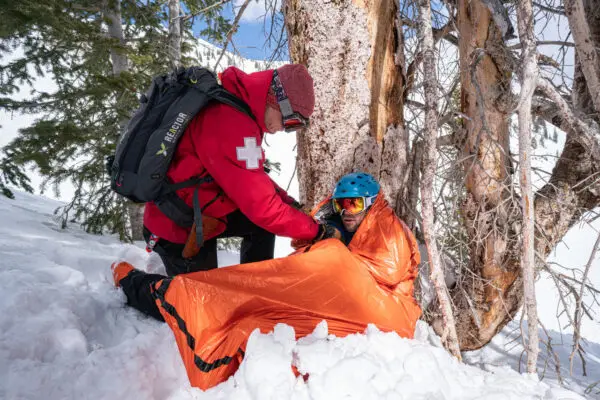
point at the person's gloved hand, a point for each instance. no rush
(300, 207)
(297, 205)
(327, 231)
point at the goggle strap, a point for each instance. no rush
(286, 109)
(369, 201)
(284, 103)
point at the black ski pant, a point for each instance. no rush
(137, 286)
(257, 245)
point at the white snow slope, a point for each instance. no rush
(65, 333)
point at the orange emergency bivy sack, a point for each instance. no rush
(212, 313)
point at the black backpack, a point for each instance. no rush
(139, 167)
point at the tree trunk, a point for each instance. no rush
(529, 75)
(490, 214)
(119, 65)
(174, 33)
(586, 35)
(570, 191)
(430, 85)
(354, 52)
(349, 50)
(496, 295)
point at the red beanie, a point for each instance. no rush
(298, 86)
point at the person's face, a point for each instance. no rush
(273, 119)
(352, 222)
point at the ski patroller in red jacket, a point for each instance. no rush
(226, 144)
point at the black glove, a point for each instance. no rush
(327, 231)
(297, 205)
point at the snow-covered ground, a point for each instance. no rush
(66, 334)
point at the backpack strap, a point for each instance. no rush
(223, 96)
(173, 187)
(172, 205)
(198, 220)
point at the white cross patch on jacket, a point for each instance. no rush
(250, 153)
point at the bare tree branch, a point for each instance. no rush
(557, 11)
(584, 133)
(546, 43)
(586, 52)
(217, 4)
(578, 309)
(449, 336)
(529, 74)
(234, 27)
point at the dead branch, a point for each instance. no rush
(582, 131)
(579, 311)
(545, 43)
(202, 11)
(233, 29)
(529, 74)
(557, 11)
(587, 54)
(550, 350)
(449, 336)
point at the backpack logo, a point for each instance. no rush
(176, 129)
(163, 150)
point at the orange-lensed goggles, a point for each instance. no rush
(352, 205)
(294, 122)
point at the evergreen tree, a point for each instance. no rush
(68, 43)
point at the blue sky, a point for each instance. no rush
(250, 38)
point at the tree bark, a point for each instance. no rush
(572, 189)
(175, 33)
(495, 296)
(354, 52)
(430, 85)
(119, 65)
(529, 75)
(586, 35)
(490, 217)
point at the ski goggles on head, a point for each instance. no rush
(292, 121)
(352, 205)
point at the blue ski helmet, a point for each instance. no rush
(358, 184)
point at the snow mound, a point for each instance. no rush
(373, 365)
(65, 333)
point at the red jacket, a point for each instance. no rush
(226, 144)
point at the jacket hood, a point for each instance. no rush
(252, 88)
